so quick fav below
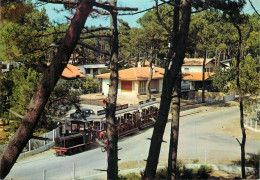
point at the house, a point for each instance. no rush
(226, 63)
(196, 65)
(132, 81)
(192, 72)
(192, 75)
(92, 69)
(8, 65)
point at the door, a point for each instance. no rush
(126, 86)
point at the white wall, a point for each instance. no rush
(119, 90)
(105, 86)
(192, 68)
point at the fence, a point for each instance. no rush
(35, 146)
(79, 170)
(253, 124)
(252, 119)
(215, 96)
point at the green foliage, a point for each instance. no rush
(91, 85)
(20, 40)
(130, 176)
(25, 83)
(249, 75)
(182, 172)
(65, 94)
(18, 87)
(203, 172)
(104, 70)
(124, 38)
(222, 80)
(225, 81)
(252, 161)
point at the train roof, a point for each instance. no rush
(67, 119)
(126, 110)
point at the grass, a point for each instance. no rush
(253, 161)
(182, 173)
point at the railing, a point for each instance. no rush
(35, 146)
(253, 124)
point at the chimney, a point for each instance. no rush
(153, 68)
(139, 64)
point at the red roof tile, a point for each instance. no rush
(195, 61)
(142, 73)
(137, 73)
(195, 76)
(72, 72)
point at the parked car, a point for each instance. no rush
(84, 112)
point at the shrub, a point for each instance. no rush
(130, 176)
(203, 172)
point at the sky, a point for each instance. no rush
(131, 19)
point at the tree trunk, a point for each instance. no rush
(112, 154)
(203, 77)
(173, 148)
(47, 84)
(168, 84)
(242, 144)
(147, 88)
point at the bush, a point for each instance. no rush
(130, 176)
(182, 172)
(162, 173)
(203, 172)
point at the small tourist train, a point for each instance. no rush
(75, 135)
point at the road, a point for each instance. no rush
(200, 136)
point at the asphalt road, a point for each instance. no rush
(199, 137)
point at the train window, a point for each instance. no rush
(74, 127)
(81, 127)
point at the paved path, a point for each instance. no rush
(198, 132)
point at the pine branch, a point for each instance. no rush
(93, 48)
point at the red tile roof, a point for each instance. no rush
(72, 72)
(137, 73)
(142, 73)
(195, 76)
(195, 61)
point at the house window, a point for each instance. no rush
(4, 66)
(142, 86)
(126, 86)
(186, 69)
(95, 71)
(87, 71)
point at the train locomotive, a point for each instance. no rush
(79, 137)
